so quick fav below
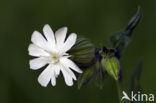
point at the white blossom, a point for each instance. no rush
(52, 50)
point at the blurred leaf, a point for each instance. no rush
(120, 40)
(133, 22)
(100, 75)
(83, 51)
(115, 38)
(85, 77)
(95, 72)
(112, 66)
(135, 78)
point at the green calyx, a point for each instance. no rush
(83, 51)
(111, 64)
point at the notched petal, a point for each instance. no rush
(60, 35)
(67, 62)
(34, 50)
(49, 34)
(69, 43)
(45, 77)
(68, 79)
(37, 63)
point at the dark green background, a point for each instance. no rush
(97, 20)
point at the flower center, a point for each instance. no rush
(54, 58)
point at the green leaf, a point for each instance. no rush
(85, 77)
(112, 66)
(120, 40)
(83, 51)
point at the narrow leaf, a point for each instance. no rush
(120, 40)
(133, 22)
(85, 77)
(100, 75)
(135, 78)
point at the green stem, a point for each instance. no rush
(119, 90)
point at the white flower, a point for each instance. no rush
(52, 50)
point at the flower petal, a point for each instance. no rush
(51, 42)
(53, 80)
(38, 40)
(45, 77)
(68, 79)
(60, 35)
(67, 62)
(57, 71)
(69, 72)
(37, 63)
(49, 34)
(34, 50)
(71, 40)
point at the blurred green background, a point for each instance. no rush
(97, 20)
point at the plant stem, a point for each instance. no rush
(119, 90)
